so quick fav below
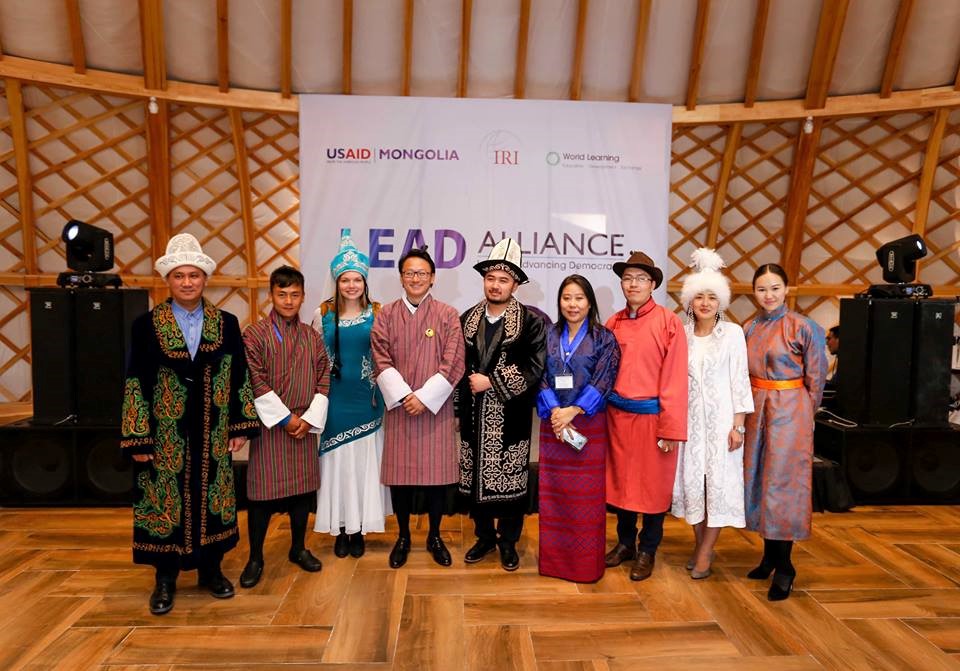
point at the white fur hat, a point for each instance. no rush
(184, 250)
(707, 277)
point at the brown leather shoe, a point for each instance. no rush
(619, 554)
(642, 567)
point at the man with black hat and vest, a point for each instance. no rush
(646, 414)
(505, 351)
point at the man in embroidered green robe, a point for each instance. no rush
(188, 404)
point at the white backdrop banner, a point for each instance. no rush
(577, 184)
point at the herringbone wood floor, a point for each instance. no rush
(878, 588)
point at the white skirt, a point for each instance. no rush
(350, 494)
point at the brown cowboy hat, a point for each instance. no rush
(640, 260)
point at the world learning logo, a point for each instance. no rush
(553, 158)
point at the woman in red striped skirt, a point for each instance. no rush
(582, 362)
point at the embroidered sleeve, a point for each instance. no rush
(135, 436)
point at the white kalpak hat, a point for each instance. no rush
(184, 250)
(506, 256)
(707, 277)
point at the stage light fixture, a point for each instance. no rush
(89, 253)
(898, 258)
(89, 249)
(898, 261)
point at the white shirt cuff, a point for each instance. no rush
(393, 387)
(316, 414)
(434, 392)
(270, 409)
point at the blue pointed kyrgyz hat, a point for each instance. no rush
(349, 257)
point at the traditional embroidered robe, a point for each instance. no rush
(290, 373)
(653, 365)
(183, 412)
(778, 446)
(420, 353)
(495, 424)
(573, 506)
(719, 387)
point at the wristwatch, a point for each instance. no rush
(740, 429)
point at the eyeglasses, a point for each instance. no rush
(415, 274)
(635, 279)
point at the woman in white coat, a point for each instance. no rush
(708, 491)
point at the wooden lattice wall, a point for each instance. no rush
(230, 178)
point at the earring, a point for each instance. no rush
(690, 316)
(721, 316)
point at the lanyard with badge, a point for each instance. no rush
(565, 379)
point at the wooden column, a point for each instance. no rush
(348, 46)
(466, 20)
(76, 36)
(246, 208)
(151, 38)
(756, 52)
(833, 13)
(523, 34)
(801, 178)
(696, 57)
(720, 194)
(407, 46)
(21, 153)
(576, 75)
(286, 48)
(931, 160)
(223, 45)
(158, 163)
(639, 50)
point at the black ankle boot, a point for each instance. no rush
(781, 586)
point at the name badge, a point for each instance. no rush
(563, 382)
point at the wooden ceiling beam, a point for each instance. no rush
(523, 35)
(21, 153)
(895, 49)
(132, 86)
(639, 50)
(833, 14)
(76, 36)
(151, 41)
(223, 45)
(696, 56)
(347, 46)
(466, 20)
(756, 52)
(576, 77)
(286, 48)
(407, 46)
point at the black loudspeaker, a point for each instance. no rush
(902, 465)
(104, 475)
(932, 358)
(52, 332)
(62, 466)
(103, 319)
(80, 338)
(894, 360)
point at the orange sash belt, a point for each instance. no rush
(778, 385)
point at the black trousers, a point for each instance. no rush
(402, 498)
(651, 533)
(168, 569)
(260, 512)
(509, 522)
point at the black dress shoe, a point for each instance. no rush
(781, 587)
(218, 585)
(509, 559)
(479, 550)
(439, 551)
(341, 547)
(398, 555)
(251, 573)
(305, 560)
(161, 601)
(357, 546)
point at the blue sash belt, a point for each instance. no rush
(645, 406)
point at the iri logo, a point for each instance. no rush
(506, 157)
